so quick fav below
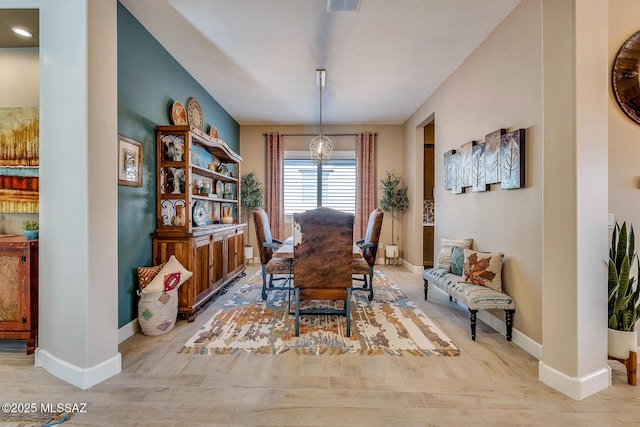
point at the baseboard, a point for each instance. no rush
(83, 378)
(575, 388)
(498, 325)
(128, 330)
(517, 337)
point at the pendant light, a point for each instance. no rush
(321, 146)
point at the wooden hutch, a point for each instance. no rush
(198, 212)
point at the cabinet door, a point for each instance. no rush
(14, 290)
(201, 279)
(235, 251)
(427, 246)
(217, 271)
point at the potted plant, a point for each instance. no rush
(250, 198)
(623, 298)
(30, 229)
(394, 200)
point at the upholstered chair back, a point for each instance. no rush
(323, 253)
(374, 226)
(263, 234)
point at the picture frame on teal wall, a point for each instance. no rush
(129, 162)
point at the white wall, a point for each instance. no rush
(624, 134)
(20, 87)
(498, 86)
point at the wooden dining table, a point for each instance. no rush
(286, 250)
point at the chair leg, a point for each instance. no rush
(264, 282)
(473, 323)
(297, 301)
(347, 307)
(370, 283)
(426, 289)
(509, 321)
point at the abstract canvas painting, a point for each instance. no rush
(478, 168)
(19, 160)
(447, 169)
(466, 150)
(512, 160)
(492, 156)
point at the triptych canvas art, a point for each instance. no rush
(499, 159)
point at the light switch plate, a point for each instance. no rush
(612, 221)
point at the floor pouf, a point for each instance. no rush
(157, 312)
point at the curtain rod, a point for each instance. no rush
(315, 134)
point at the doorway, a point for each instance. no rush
(428, 213)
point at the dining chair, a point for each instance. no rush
(369, 246)
(322, 254)
(266, 245)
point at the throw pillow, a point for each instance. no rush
(171, 276)
(483, 268)
(147, 274)
(457, 261)
(446, 246)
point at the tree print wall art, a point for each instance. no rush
(478, 168)
(19, 160)
(456, 173)
(447, 169)
(492, 156)
(466, 150)
(512, 146)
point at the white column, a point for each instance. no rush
(575, 242)
(78, 324)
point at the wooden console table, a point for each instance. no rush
(19, 290)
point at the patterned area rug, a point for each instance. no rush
(390, 324)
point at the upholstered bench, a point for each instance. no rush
(474, 297)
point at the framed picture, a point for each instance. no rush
(478, 168)
(129, 162)
(512, 149)
(447, 169)
(466, 150)
(492, 156)
(456, 173)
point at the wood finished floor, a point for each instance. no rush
(493, 382)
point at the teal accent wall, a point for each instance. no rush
(149, 80)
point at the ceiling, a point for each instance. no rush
(258, 58)
(25, 18)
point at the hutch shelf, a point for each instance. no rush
(198, 211)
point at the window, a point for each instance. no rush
(308, 185)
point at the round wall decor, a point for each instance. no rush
(626, 77)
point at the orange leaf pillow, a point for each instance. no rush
(483, 268)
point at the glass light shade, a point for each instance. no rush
(321, 148)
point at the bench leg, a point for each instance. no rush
(472, 317)
(509, 321)
(426, 288)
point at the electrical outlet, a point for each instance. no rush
(612, 221)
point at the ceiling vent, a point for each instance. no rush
(343, 5)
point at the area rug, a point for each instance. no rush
(390, 324)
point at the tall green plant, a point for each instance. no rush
(623, 298)
(250, 196)
(394, 198)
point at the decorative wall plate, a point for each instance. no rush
(213, 132)
(194, 113)
(200, 214)
(178, 113)
(625, 77)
